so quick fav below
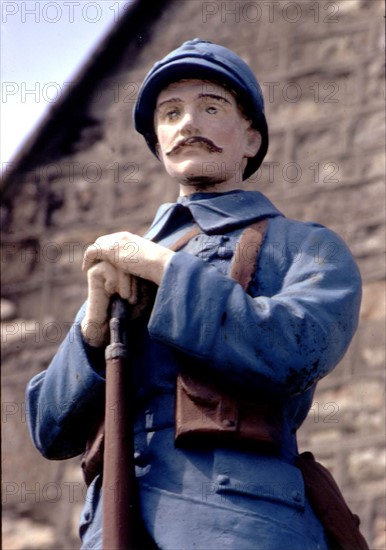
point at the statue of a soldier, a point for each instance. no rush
(241, 328)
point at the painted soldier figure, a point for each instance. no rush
(250, 310)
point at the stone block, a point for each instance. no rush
(367, 465)
(314, 94)
(339, 46)
(374, 79)
(371, 163)
(22, 259)
(342, 204)
(367, 131)
(27, 211)
(312, 143)
(373, 307)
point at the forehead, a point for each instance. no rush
(189, 89)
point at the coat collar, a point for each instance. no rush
(217, 212)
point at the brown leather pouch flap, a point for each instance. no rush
(206, 413)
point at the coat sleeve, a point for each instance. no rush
(62, 401)
(280, 343)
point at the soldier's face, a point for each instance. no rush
(203, 138)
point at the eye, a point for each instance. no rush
(211, 110)
(171, 114)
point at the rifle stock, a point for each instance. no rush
(119, 493)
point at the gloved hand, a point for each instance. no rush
(104, 280)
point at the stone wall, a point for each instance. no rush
(320, 66)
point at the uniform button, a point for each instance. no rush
(296, 496)
(223, 480)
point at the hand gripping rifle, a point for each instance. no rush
(118, 468)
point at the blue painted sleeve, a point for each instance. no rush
(62, 401)
(280, 343)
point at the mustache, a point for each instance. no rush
(209, 144)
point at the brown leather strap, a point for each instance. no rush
(328, 503)
(247, 251)
(182, 241)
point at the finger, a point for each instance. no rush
(103, 277)
(92, 255)
(96, 276)
(95, 324)
(97, 308)
(111, 278)
(123, 285)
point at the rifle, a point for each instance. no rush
(118, 466)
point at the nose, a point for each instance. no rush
(189, 123)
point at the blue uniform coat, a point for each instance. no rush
(275, 342)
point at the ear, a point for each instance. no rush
(253, 142)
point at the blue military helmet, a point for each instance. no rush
(200, 59)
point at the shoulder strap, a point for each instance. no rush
(182, 241)
(247, 251)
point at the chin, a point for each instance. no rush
(191, 173)
(201, 182)
(198, 179)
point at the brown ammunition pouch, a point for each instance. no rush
(208, 415)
